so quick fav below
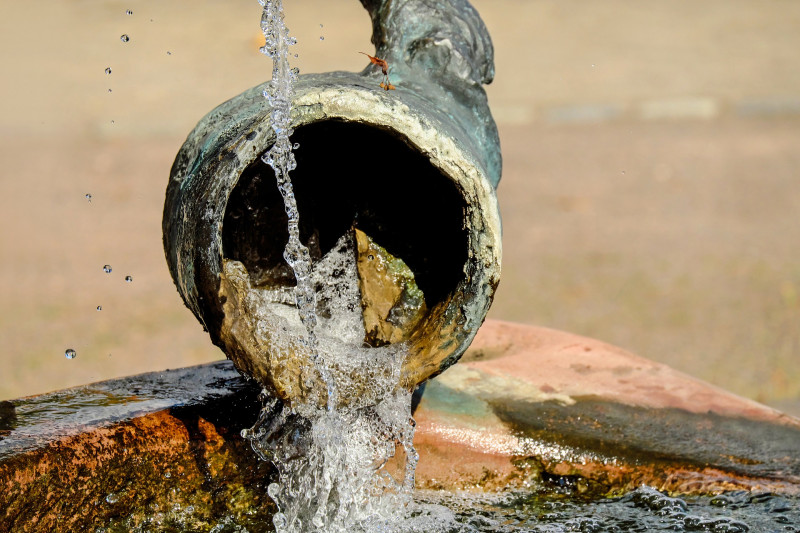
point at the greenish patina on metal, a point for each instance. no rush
(415, 168)
(441, 51)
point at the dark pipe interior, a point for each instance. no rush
(350, 173)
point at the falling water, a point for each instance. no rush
(348, 465)
(281, 158)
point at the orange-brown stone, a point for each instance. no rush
(527, 407)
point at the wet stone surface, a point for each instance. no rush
(163, 452)
(156, 452)
(661, 436)
(640, 511)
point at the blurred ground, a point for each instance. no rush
(650, 191)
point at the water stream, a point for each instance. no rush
(341, 467)
(281, 158)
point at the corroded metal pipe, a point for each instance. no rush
(414, 169)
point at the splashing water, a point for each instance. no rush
(335, 469)
(348, 465)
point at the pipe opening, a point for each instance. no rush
(351, 174)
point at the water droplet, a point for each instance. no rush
(295, 146)
(70, 353)
(112, 122)
(112, 498)
(320, 25)
(88, 197)
(128, 279)
(279, 520)
(107, 269)
(169, 53)
(108, 70)
(321, 38)
(623, 172)
(167, 474)
(128, 12)
(124, 38)
(99, 307)
(593, 65)
(109, 90)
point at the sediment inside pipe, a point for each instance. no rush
(349, 175)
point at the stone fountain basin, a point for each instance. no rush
(525, 408)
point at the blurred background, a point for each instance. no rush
(650, 194)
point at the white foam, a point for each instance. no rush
(334, 463)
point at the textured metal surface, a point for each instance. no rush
(439, 55)
(442, 51)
